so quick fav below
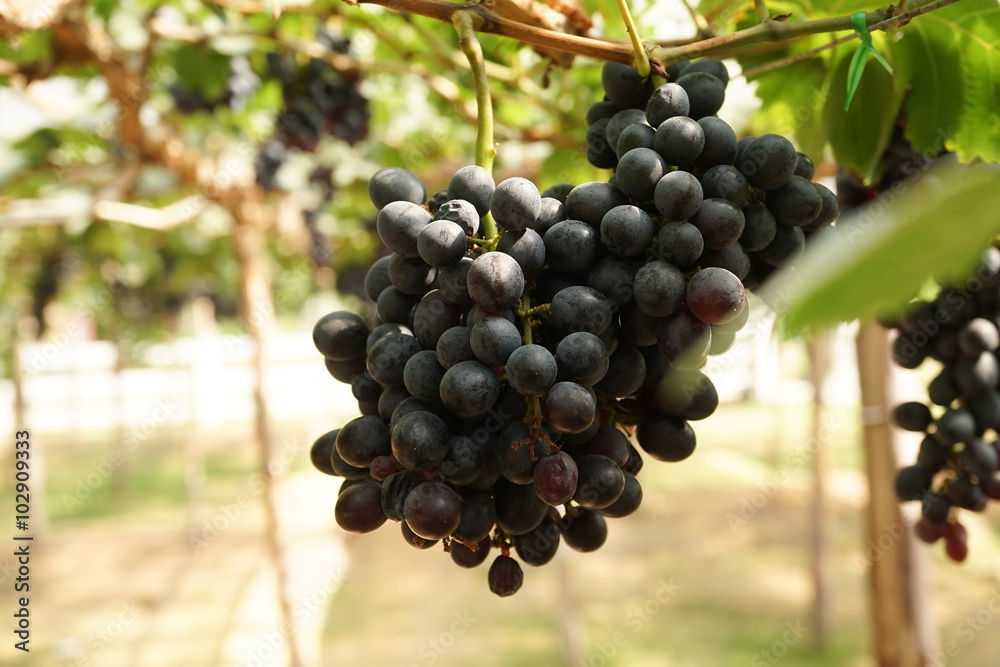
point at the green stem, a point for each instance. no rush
(641, 60)
(760, 6)
(465, 25)
(524, 312)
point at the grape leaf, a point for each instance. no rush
(952, 58)
(878, 257)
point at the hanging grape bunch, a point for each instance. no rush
(959, 457)
(520, 335)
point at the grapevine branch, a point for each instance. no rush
(770, 30)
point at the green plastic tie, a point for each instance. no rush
(860, 58)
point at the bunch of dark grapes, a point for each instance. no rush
(520, 336)
(959, 456)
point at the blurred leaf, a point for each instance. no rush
(793, 99)
(201, 69)
(880, 255)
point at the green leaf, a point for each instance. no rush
(793, 98)
(881, 256)
(952, 59)
(201, 69)
(859, 137)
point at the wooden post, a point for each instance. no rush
(899, 614)
(820, 347)
(257, 305)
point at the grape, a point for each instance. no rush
(341, 335)
(585, 530)
(658, 289)
(441, 243)
(462, 213)
(344, 371)
(628, 502)
(454, 346)
(690, 395)
(433, 510)
(568, 407)
(912, 416)
(518, 508)
(433, 316)
(795, 203)
(555, 477)
(624, 86)
(684, 339)
(411, 276)
(454, 281)
(570, 246)
(637, 327)
(395, 184)
(531, 369)
(956, 542)
(639, 171)
(515, 204)
(528, 250)
(680, 243)
(462, 462)
(636, 135)
(365, 388)
(582, 358)
(388, 356)
(976, 336)
(600, 153)
(666, 437)
(359, 508)
(517, 452)
(538, 546)
(626, 372)
(463, 556)
(768, 162)
(495, 281)
(377, 278)
(415, 540)
(580, 308)
(715, 296)
(618, 123)
(436, 201)
(627, 230)
(829, 209)
(422, 376)
(667, 101)
(473, 184)
(552, 211)
(787, 246)
(705, 92)
(469, 389)
(479, 513)
(493, 339)
(390, 400)
(759, 228)
(679, 140)
(613, 277)
(913, 482)
(394, 306)
(604, 109)
(362, 439)
(955, 426)
(590, 202)
(398, 225)
(804, 166)
(322, 450)
(420, 441)
(732, 258)
(720, 222)
(715, 67)
(505, 576)
(720, 143)
(962, 492)
(726, 182)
